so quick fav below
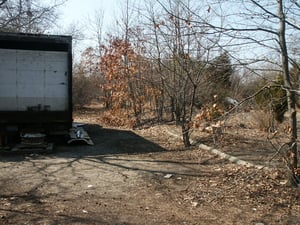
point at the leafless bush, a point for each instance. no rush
(84, 90)
(117, 119)
(264, 120)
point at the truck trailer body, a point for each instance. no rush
(35, 82)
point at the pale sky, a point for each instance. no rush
(77, 11)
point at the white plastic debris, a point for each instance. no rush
(168, 176)
(195, 204)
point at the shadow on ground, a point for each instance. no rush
(107, 141)
(115, 181)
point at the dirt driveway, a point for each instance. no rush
(139, 178)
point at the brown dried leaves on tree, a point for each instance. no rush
(126, 91)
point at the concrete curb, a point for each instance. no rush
(231, 158)
(223, 155)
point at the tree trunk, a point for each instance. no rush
(185, 133)
(159, 102)
(291, 98)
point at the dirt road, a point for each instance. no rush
(126, 178)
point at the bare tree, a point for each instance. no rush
(291, 98)
(181, 55)
(28, 15)
(96, 29)
(259, 31)
(2, 2)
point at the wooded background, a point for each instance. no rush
(173, 59)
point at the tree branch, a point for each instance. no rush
(2, 2)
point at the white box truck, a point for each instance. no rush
(35, 83)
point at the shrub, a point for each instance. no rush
(274, 97)
(264, 120)
(84, 90)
